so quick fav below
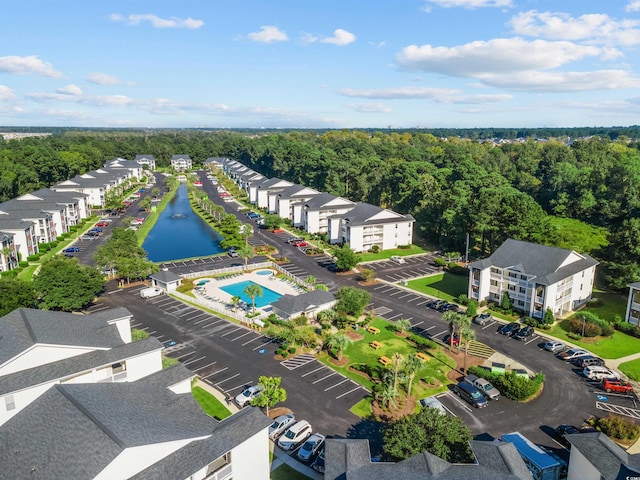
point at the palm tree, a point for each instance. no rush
(320, 286)
(412, 364)
(326, 316)
(252, 291)
(235, 300)
(387, 394)
(338, 342)
(467, 334)
(246, 253)
(246, 231)
(456, 321)
(310, 279)
(403, 325)
(397, 360)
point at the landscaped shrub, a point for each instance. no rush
(292, 350)
(422, 342)
(472, 308)
(512, 386)
(284, 354)
(439, 262)
(366, 275)
(33, 258)
(374, 249)
(404, 247)
(463, 299)
(589, 325)
(626, 327)
(574, 336)
(458, 270)
(300, 321)
(617, 427)
(23, 263)
(186, 286)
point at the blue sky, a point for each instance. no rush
(320, 63)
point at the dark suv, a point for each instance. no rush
(509, 329)
(470, 394)
(523, 333)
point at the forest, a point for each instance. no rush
(452, 186)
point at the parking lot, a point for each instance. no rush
(414, 266)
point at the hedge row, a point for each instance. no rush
(422, 342)
(511, 385)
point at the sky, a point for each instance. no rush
(319, 63)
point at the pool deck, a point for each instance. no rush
(212, 288)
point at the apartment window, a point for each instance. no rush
(511, 288)
(523, 290)
(10, 403)
(513, 275)
(494, 270)
(494, 283)
(523, 277)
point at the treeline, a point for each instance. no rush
(453, 187)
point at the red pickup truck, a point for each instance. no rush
(618, 386)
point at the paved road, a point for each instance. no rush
(228, 357)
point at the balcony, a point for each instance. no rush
(115, 378)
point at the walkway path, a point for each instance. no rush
(615, 362)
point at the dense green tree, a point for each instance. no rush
(338, 342)
(346, 258)
(445, 436)
(271, 393)
(352, 300)
(15, 293)
(64, 284)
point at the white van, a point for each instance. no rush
(150, 292)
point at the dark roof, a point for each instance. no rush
(635, 285)
(296, 190)
(25, 327)
(59, 197)
(319, 202)
(272, 182)
(142, 157)
(298, 303)
(75, 431)
(180, 157)
(362, 214)
(226, 435)
(78, 364)
(609, 459)
(350, 459)
(14, 223)
(542, 262)
(165, 276)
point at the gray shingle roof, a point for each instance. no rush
(362, 214)
(72, 366)
(272, 182)
(198, 454)
(297, 303)
(180, 157)
(142, 157)
(319, 202)
(14, 223)
(541, 261)
(165, 276)
(611, 461)
(350, 459)
(25, 327)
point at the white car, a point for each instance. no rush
(296, 434)
(280, 424)
(151, 292)
(397, 259)
(433, 402)
(572, 354)
(554, 347)
(598, 373)
(310, 447)
(249, 393)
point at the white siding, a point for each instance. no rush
(143, 365)
(250, 459)
(41, 354)
(580, 468)
(21, 399)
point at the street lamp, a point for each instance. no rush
(584, 321)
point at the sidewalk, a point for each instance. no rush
(615, 362)
(281, 458)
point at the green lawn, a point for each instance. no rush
(285, 472)
(384, 254)
(442, 285)
(360, 352)
(210, 404)
(613, 305)
(631, 369)
(616, 346)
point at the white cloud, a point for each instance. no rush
(633, 6)
(593, 28)
(268, 34)
(368, 107)
(470, 4)
(70, 90)
(157, 22)
(501, 55)
(340, 37)
(100, 78)
(30, 65)
(308, 38)
(439, 95)
(6, 94)
(537, 81)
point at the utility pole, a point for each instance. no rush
(466, 252)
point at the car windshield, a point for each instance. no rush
(275, 425)
(290, 434)
(476, 395)
(307, 446)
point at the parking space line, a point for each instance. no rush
(422, 303)
(229, 333)
(136, 325)
(532, 340)
(489, 325)
(391, 318)
(325, 377)
(208, 325)
(417, 323)
(413, 299)
(202, 368)
(429, 328)
(347, 393)
(438, 334)
(185, 355)
(189, 311)
(336, 385)
(395, 293)
(263, 345)
(227, 379)
(243, 335)
(241, 386)
(199, 315)
(195, 360)
(159, 336)
(200, 321)
(313, 371)
(253, 340)
(406, 295)
(215, 373)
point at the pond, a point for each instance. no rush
(180, 232)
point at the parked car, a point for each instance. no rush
(524, 333)
(488, 390)
(572, 354)
(598, 373)
(555, 347)
(455, 342)
(102, 224)
(294, 435)
(482, 319)
(232, 254)
(71, 250)
(433, 402)
(248, 394)
(96, 229)
(280, 424)
(89, 237)
(310, 447)
(301, 244)
(397, 259)
(431, 303)
(150, 292)
(318, 463)
(443, 307)
(509, 329)
(563, 430)
(470, 394)
(589, 361)
(618, 386)
(294, 239)
(278, 230)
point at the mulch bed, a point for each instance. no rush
(339, 363)
(354, 336)
(367, 284)
(404, 406)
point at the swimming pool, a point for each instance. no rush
(237, 289)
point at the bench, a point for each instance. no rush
(376, 345)
(384, 361)
(373, 330)
(422, 356)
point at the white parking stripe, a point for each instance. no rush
(336, 385)
(438, 334)
(159, 336)
(186, 355)
(215, 373)
(227, 379)
(407, 295)
(200, 321)
(313, 371)
(264, 345)
(202, 368)
(325, 377)
(207, 325)
(347, 393)
(136, 325)
(194, 360)
(229, 333)
(253, 340)
(243, 335)
(391, 318)
(535, 337)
